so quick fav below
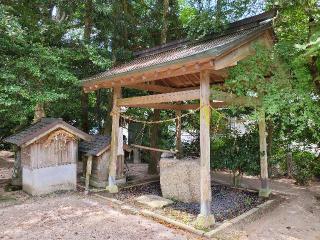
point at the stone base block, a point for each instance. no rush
(204, 222)
(180, 179)
(153, 201)
(265, 193)
(96, 183)
(50, 179)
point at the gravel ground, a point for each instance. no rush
(227, 202)
(75, 216)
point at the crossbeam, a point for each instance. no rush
(153, 149)
(151, 88)
(161, 98)
(171, 106)
(161, 106)
(161, 101)
(232, 99)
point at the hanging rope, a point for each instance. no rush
(129, 118)
(132, 119)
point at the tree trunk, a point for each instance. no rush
(108, 119)
(84, 113)
(155, 130)
(39, 112)
(86, 36)
(98, 110)
(125, 25)
(218, 13)
(164, 30)
(289, 163)
(154, 142)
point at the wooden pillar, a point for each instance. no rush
(136, 156)
(178, 134)
(264, 191)
(205, 219)
(88, 173)
(112, 187)
(16, 179)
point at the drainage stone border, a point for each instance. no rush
(221, 228)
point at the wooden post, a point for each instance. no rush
(205, 218)
(88, 173)
(264, 191)
(136, 156)
(112, 187)
(178, 134)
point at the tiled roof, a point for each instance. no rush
(98, 143)
(40, 127)
(183, 50)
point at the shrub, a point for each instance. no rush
(236, 152)
(303, 166)
(316, 167)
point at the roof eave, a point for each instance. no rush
(210, 53)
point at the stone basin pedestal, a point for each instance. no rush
(180, 179)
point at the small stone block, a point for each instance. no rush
(204, 222)
(153, 201)
(112, 189)
(265, 193)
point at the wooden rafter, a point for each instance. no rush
(160, 73)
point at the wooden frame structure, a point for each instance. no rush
(188, 78)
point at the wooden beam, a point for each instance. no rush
(160, 101)
(152, 88)
(160, 98)
(234, 55)
(170, 106)
(205, 217)
(161, 106)
(153, 149)
(156, 74)
(195, 106)
(232, 99)
(112, 187)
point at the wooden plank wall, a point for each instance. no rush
(42, 156)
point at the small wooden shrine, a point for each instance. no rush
(95, 156)
(47, 154)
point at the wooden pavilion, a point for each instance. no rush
(181, 71)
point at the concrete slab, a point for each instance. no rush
(153, 201)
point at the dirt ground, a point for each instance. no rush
(297, 218)
(71, 216)
(76, 216)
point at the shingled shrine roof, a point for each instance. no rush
(94, 147)
(45, 125)
(184, 50)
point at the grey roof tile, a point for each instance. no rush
(38, 128)
(216, 45)
(98, 143)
